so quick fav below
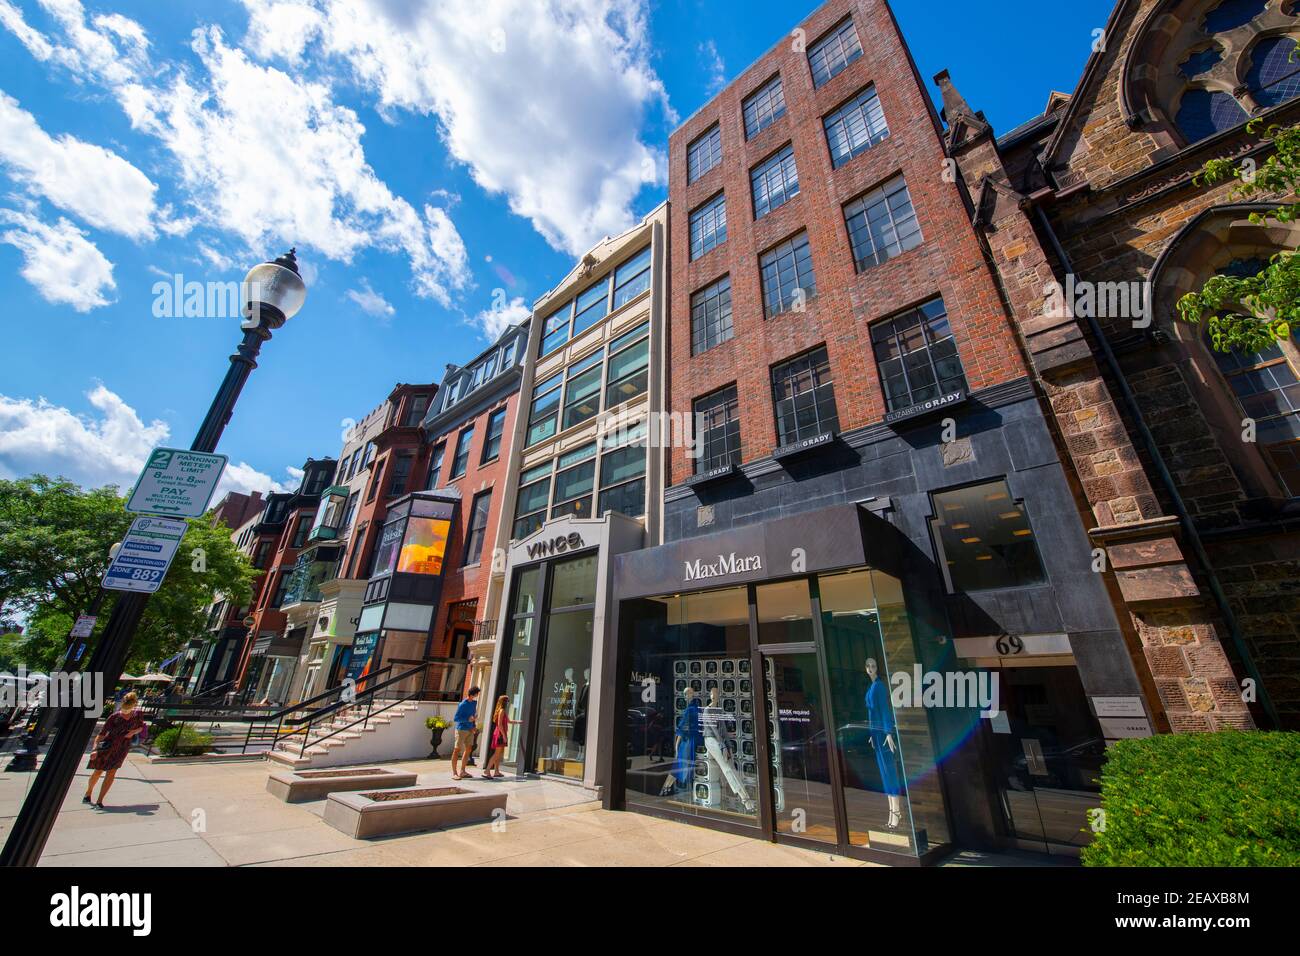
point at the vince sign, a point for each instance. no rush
(724, 566)
(557, 545)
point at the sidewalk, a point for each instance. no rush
(190, 814)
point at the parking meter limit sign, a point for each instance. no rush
(146, 554)
(176, 482)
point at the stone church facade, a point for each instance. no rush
(1186, 462)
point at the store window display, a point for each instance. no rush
(690, 716)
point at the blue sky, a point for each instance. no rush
(438, 163)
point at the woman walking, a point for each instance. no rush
(501, 723)
(111, 746)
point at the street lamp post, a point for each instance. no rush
(274, 292)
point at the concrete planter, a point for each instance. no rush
(383, 812)
(318, 784)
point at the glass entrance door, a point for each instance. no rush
(803, 791)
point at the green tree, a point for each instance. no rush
(1249, 314)
(55, 540)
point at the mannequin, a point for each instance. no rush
(686, 742)
(580, 714)
(715, 745)
(880, 725)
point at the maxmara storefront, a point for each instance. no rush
(886, 648)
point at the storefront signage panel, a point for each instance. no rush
(817, 541)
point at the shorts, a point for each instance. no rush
(464, 739)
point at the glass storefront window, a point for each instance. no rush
(526, 595)
(573, 582)
(561, 741)
(784, 613)
(423, 546)
(985, 540)
(690, 713)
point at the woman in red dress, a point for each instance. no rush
(501, 724)
(111, 745)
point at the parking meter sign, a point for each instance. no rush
(146, 554)
(176, 482)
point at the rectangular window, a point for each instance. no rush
(452, 392)
(415, 409)
(496, 427)
(582, 393)
(627, 375)
(263, 552)
(555, 329)
(916, 356)
(508, 354)
(984, 539)
(717, 429)
(703, 153)
(787, 273)
(804, 398)
(591, 306)
(774, 181)
(349, 512)
(459, 463)
(533, 497)
(300, 532)
(543, 416)
(401, 472)
(855, 127)
(622, 481)
(282, 585)
(632, 278)
(476, 530)
(435, 466)
(829, 56)
(574, 478)
(709, 225)
(882, 224)
(711, 316)
(764, 107)
(353, 462)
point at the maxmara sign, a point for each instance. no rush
(725, 566)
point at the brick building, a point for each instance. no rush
(468, 450)
(873, 498)
(1188, 459)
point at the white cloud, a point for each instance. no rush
(93, 183)
(714, 64)
(244, 478)
(261, 154)
(108, 447)
(65, 267)
(370, 301)
(492, 322)
(543, 102)
(93, 450)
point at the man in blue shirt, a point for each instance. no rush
(463, 723)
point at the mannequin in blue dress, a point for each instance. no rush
(689, 738)
(881, 728)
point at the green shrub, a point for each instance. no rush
(182, 741)
(1224, 799)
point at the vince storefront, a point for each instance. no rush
(551, 652)
(753, 687)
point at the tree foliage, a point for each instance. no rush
(1249, 314)
(55, 539)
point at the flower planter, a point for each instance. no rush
(319, 784)
(383, 812)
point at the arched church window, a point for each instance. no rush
(1232, 14)
(1200, 62)
(1266, 388)
(1206, 112)
(1273, 77)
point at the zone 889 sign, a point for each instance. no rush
(145, 555)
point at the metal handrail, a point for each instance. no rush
(369, 693)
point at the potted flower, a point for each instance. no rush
(437, 725)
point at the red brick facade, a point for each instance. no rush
(949, 262)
